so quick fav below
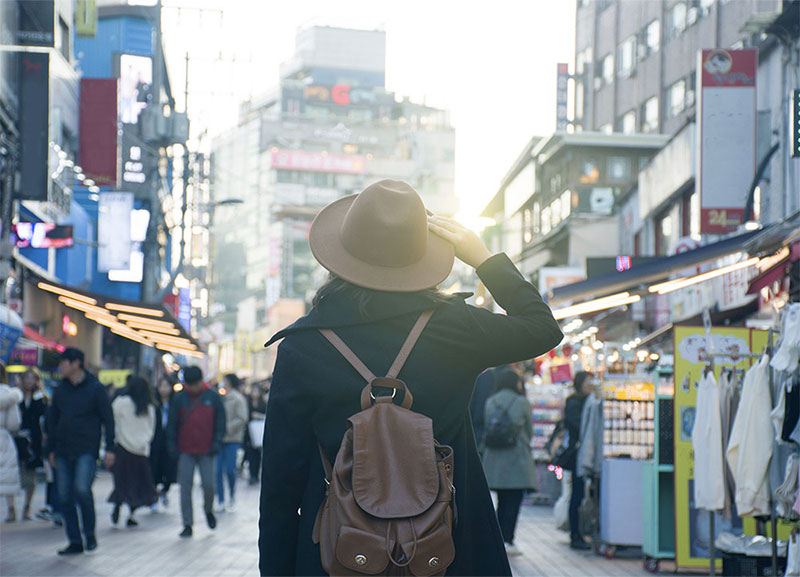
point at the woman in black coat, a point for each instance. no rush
(379, 240)
(163, 464)
(573, 411)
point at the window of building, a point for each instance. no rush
(555, 212)
(566, 204)
(607, 128)
(629, 122)
(691, 85)
(652, 36)
(535, 223)
(694, 215)
(677, 19)
(676, 98)
(590, 173)
(64, 38)
(692, 15)
(650, 115)
(663, 234)
(619, 168)
(626, 57)
(527, 228)
(555, 183)
(579, 102)
(705, 6)
(546, 224)
(608, 68)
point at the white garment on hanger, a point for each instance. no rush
(709, 492)
(778, 413)
(750, 445)
(788, 353)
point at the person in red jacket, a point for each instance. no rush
(195, 427)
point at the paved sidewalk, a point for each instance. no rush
(154, 549)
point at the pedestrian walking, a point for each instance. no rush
(32, 409)
(79, 409)
(256, 411)
(135, 424)
(235, 424)
(10, 422)
(386, 258)
(507, 459)
(195, 429)
(573, 410)
(163, 461)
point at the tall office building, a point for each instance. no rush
(329, 129)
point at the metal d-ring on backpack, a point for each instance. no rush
(389, 507)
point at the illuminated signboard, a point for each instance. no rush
(42, 235)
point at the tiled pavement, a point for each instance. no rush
(153, 549)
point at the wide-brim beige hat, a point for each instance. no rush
(379, 239)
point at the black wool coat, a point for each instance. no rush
(314, 391)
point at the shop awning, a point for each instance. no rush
(649, 272)
(150, 325)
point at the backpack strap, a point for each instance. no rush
(348, 354)
(411, 340)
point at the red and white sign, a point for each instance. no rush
(727, 136)
(318, 162)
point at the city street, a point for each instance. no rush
(154, 549)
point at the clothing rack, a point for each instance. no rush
(709, 358)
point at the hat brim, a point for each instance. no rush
(327, 248)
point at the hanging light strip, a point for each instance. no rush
(142, 320)
(180, 351)
(82, 306)
(181, 342)
(134, 310)
(59, 291)
(146, 326)
(600, 304)
(132, 336)
(676, 284)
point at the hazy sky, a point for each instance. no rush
(493, 65)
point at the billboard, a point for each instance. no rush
(34, 103)
(36, 23)
(98, 130)
(114, 231)
(726, 136)
(41, 235)
(318, 162)
(135, 82)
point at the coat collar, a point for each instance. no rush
(343, 310)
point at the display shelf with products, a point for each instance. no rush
(629, 417)
(547, 408)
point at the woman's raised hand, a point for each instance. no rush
(468, 245)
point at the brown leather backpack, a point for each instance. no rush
(389, 506)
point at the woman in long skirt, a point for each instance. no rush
(134, 423)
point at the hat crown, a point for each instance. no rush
(386, 225)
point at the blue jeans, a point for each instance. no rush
(226, 463)
(74, 478)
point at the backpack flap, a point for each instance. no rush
(361, 552)
(395, 474)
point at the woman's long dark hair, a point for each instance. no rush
(507, 378)
(139, 391)
(363, 296)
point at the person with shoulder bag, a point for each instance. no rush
(507, 458)
(373, 467)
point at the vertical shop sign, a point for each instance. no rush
(114, 231)
(34, 104)
(9, 336)
(727, 136)
(562, 83)
(185, 308)
(691, 346)
(99, 132)
(86, 18)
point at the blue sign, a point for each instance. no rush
(8, 338)
(185, 308)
